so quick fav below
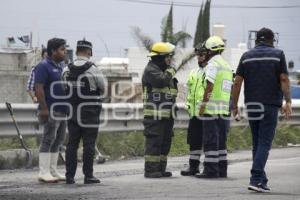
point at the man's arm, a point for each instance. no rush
(207, 93)
(160, 79)
(285, 87)
(40, 94)
(32, 95)
(236, 93)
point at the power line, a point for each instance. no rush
(188, 4)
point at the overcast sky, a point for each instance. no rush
(108, 22)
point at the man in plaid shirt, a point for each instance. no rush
(30, 82)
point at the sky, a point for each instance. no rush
(107, 23)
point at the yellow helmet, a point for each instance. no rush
(214, 43)
(161, 48)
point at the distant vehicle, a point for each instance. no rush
(295, 90)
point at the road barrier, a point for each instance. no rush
(120, 117)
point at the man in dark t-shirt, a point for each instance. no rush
(264, 72)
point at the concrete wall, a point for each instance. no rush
(15, 68)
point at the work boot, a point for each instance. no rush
(91, 180)
(152, 170)
(153, 175)
(53, 167)
(206, 175)
(163, 165)
(223, 168)
(192, 169)
(70, 180)
(44, 165)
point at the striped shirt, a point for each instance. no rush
(31, 81)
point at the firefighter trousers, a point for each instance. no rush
(158, 139)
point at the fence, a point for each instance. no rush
(115, 118)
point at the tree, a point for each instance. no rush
(202, 28)
(206, 20)
(199, 28)
(167, 27)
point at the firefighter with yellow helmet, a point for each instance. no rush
(214, 109)
(159, 95)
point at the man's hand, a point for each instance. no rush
(235, 113)
(286, 110)
(202, 109)
(34, 99)
(44, 115)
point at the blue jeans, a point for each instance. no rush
(263, 131)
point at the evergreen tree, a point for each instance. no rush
(167, 27)
(198, 38)
(206, 15)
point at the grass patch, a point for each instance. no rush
(120, 145)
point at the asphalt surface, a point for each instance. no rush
(124, 180)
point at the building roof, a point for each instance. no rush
(105, 61)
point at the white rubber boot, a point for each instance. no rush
(53, 167)
(44, 165)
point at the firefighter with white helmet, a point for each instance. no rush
(159, 92)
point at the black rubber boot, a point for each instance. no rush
(152, 170)
(91, 180)
(163, 165)
(223, 168)
(192, 169)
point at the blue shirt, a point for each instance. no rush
(48, 73)
(261, 68)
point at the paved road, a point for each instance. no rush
(123, 180)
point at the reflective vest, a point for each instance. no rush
(195, 86)
(159, 102)
(220, 97)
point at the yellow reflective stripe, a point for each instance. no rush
(174, 92)
(149, 158)
(171, 71)
(161, 113)
(162, 90)
(163, 158)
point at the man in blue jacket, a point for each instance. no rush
(264, 71)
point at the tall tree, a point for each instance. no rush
(206, 20)
(167, 27)
(198, 38)
(202, 28)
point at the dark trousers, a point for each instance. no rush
(194, 139)
(89, 136)
(263, 131)
(158, 139)
(215, 129)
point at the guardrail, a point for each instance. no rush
(117, 118)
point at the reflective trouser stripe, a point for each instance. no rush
(222, 151)
(211, 153)
(222, 155)
(222, 158)
(149, 158)
(194, 157)
(159, 113)
(163, 158)
(211, 160)
(195, 152)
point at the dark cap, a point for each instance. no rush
(264, 34)
(84, 44)
(200, 48)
